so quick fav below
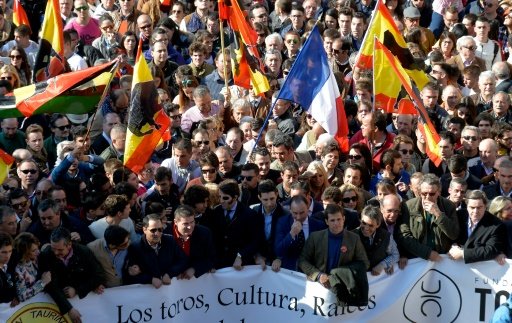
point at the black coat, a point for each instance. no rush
(7, 285)
(170, 260)
(83, 273)
(266, 249)
(202, 251)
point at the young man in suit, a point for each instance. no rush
(482, 235)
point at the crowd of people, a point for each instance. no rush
(229, 190)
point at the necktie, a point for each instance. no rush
(301, 239)
(228, 216)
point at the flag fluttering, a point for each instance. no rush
(383, 28)
(19, 16)
(50, 59)
(76, 92)
(6, 161)
(147, 122)
(424, 124)
(311, 83)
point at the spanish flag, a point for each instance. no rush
(19, 16)
(147, 122)
(246, 62)
(50, 59)
(6, 161)
(396, 71)
(384, 29)
(77, 92)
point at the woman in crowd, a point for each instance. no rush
(10, 73)
(352, 199)
(330, 18)
(209, 164)
(317, 180)
(447, 44)
(186, 87)
(501, 207)
(360, 154)
(27, 282)
(19, 61)
(128, 45)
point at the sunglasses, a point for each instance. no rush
(8, 78)
(208, 171)
(7, 187)
(407, 151)
(471, 48)
(248, 178)
(176, 117)
(62, 128)
(26, 171)
(84, 8)
(176, 11)
(187, 83)
(107, 27)
(471, 138)
(15, 57)
(155, 230)
(204, 142)
(292, 41)
(19, 205)
(349, 199)
(425, 194)
(225, 198)
(355, 157)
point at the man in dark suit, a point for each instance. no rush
(196, 242)
(156, 258)
(303, 188)
(232, 224)
(327, 251)
(504, 185)
(482, 235)
(293, 230)
(457, 166)
(268, 213)
(502, 73)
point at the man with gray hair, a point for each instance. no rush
(482, 167)
(503, 187)
(470, 139)
(482, 236)
(502, 73)
(487, 87)
(501, 107)
(283, 151)
(431, 226)
(466, 46)
(202, 109)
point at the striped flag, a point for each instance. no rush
(50, 59)
(6, 161)
(383, 28)
(19, 16)
(147, 122)
(77, 92)
(396, 71)
(311, 83)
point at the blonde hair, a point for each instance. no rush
(349, 187)
(497, 206)
(12, 70)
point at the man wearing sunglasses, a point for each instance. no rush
(249, 179)
(60, 127)
(87, 27)
(155, 258)
(431, 226)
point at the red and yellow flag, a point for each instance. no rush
(6, 161)
(383, 28)
(19, 16)
(396, 71)
(147, 122)
(50, 60)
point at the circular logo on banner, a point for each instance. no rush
(434, 298)
(39, 312)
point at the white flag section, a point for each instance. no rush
(424, 292)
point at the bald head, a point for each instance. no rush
(501, 70)
(390, 208)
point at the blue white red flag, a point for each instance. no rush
(311, 83)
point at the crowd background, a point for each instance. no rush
(73, 220)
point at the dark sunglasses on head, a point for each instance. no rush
(349, 199)
(187, 83)
(26, 171)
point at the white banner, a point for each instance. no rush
(447, 291)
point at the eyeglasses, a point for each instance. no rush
(145, 27)
(8, 78)
(107, 27)
(471, 138)
(425, 194)
(367, 224)
(406, 151)
(186, 83)
(204, 142)
(7, 187)
(292, 41)
(19, 205)
(225, 198)
(15, 57)
(62, 128)
(26, 171)
(176, 11)
(471, 48)
(84, 8)
(355, 157)
(349, 199)
(149, 170)
(248, 178)
(208, 171)
(176, 117)
(155, 230)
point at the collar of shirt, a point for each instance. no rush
(305, 228)
(503, 193)
(65, 260)
(4, 268)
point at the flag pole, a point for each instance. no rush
(103, 97)
(222, 45)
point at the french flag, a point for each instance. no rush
(311, 83)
